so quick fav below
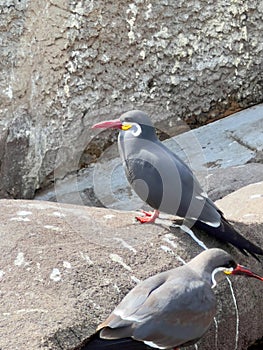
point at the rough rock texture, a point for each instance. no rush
(63, 268)
(250, 199)
(66, 64)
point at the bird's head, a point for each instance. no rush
(232, 268)
(212, 261)
(135, 122)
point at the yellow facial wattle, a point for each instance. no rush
(126, 126)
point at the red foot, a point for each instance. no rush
(149, 217)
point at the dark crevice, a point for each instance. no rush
(258, 345)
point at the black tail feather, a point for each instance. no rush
(226, 233)
(96, 343)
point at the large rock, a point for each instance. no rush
(63, 268)
(64, 65)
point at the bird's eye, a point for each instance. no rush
(136, 130)
(231, 264)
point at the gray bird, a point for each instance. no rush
(161, 179)
(172, 309)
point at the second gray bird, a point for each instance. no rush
(161, 179)
(169, 310)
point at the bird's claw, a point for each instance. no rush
(147, 213)
(144, 219)
(148, 216)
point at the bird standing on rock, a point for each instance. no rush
(162, 180)
(172, 309)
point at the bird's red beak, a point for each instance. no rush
(241, 270)
(114, 124)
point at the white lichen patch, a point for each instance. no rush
(24, 311)
(148, 12)
(115, 286)
(142, 54)
(118, 259)
(176, 66)
(28, 311)
(249, 215)
(109, 216)
(24, 212)
(41, 205)
(22, 216)
(105, 58)
(131, 18)
(55, 275)
(51, 227)
(1, 274)
(175, 80)
(79, 8)
(254, 196)
(182, 40)
(125, 244)
(135, 279)
(67, 264)
(9, 92)
(167, 249)
(96, 306)
(87, 258)
(163, 33)
(20, 259)
(19, 218)
(168, 238)
(66, 86)
(170, 251)
(58, 214)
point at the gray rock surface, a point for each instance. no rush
(64, 65)
(63, 268)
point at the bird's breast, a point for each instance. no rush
(146, 181)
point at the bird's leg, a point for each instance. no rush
(149, 216)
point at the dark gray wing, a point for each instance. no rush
(123, 314)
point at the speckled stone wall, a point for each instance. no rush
(66, 64)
